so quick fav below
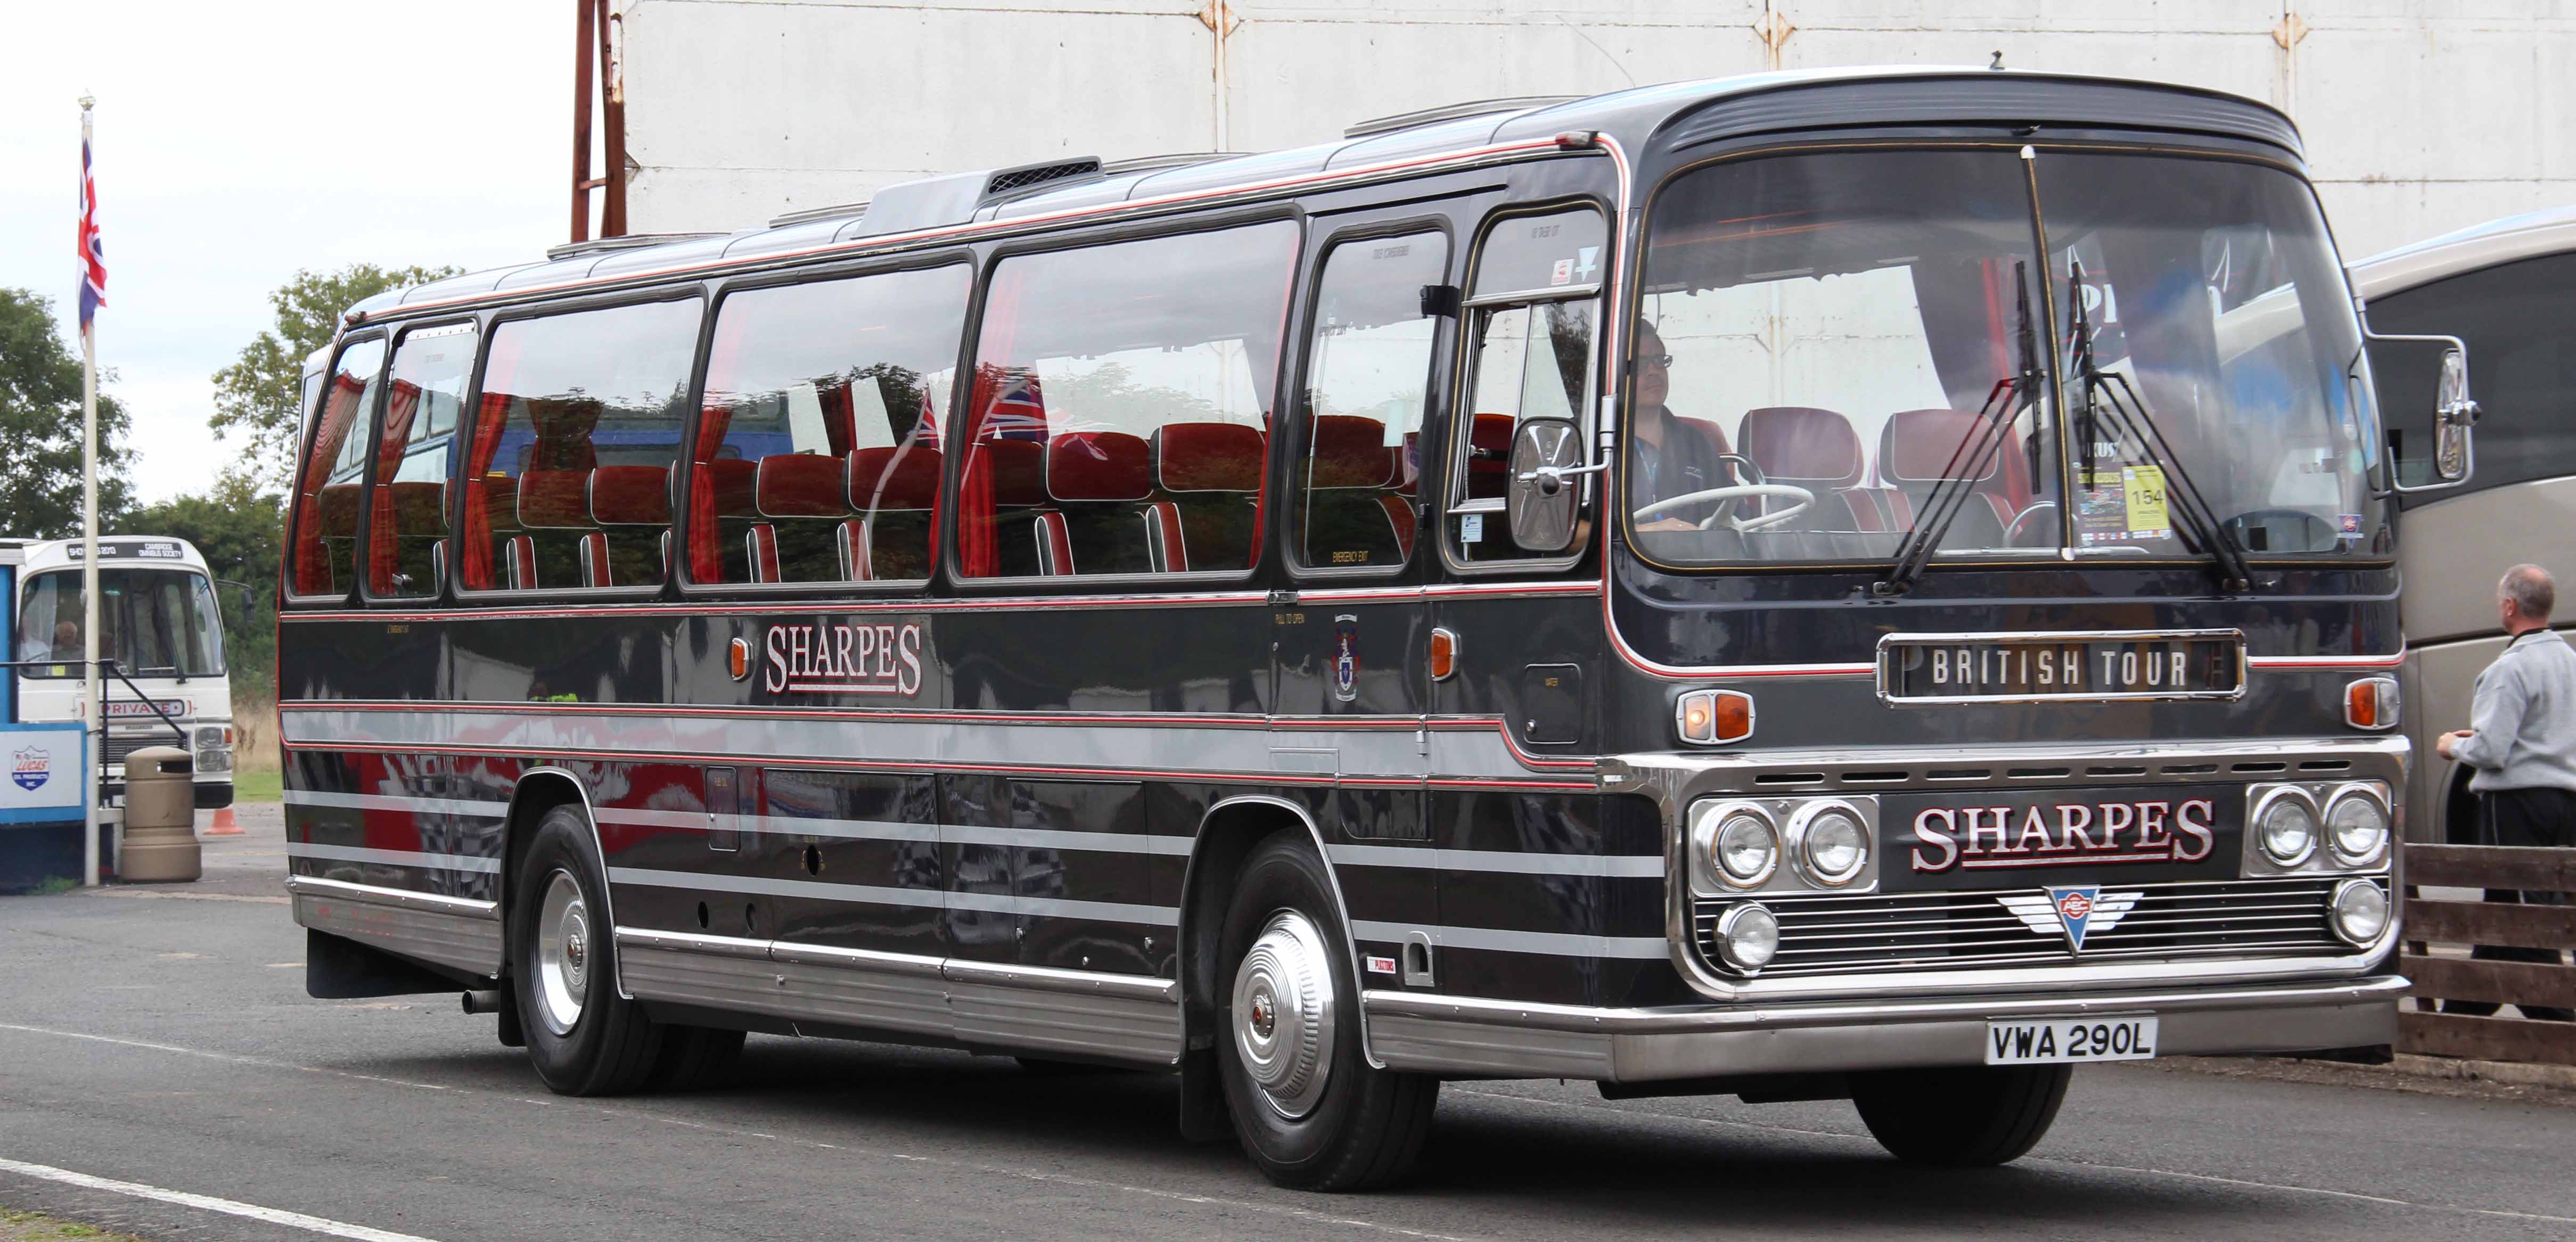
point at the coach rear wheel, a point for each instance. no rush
(582, 1036)
(1961, 1118)
(1307, 1105)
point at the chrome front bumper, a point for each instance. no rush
(1454, 1035)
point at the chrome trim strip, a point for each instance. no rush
(434, 903)
(1118, 1017)
(396, 858)
(450, 931)
(1371, 750)
(398, 802)
(919, 898)
(1443, 1034)
(1500, 862)
(1553, 944)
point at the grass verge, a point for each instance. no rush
(17, 1226)
(269, 786)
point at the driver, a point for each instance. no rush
(1666, 459)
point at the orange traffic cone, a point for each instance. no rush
(224, 825)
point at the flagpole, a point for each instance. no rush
(93, 715)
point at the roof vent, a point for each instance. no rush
(1159, 163)
(812, 214)
(1454, 112)
(955, 198)
(631, 241)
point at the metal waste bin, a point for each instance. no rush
(160, 841)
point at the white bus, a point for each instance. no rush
(160, 621)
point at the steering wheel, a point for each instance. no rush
(1724, 516)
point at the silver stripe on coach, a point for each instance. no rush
(1554, 944)
(927, 898)
(1501, 862)
(397, 858)
(398, 802)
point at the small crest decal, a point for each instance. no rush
(1346, 657)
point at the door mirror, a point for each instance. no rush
(1545, 499)
(2455, 413)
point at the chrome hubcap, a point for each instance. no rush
(1283, 1014)
(563, 953)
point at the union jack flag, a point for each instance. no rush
(1013, 408)
(93, 254)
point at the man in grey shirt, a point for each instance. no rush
(2522, 741)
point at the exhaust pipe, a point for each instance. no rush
(482, 1002)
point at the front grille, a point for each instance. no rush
(119, 745)
(1881, 932)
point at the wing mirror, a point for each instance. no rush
(1545, 499)
(2455, 413)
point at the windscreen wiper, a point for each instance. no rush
(2199, 519)
(1951, 493)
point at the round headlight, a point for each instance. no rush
(1748, 936)
(1832, 842)
(2288, 827)
(2356, 826)
(2360, 911)
(1746, 848)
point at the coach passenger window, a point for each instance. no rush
(1532, 313)
(335, 465)
(1117, 423)
(818, 448)
(407, 517)
(569, 481)
(2522, 366)
(1367, 374)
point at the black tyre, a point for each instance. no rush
(1961, 1118)
(1307, 1106)
(582, 1036)
(694, 1058)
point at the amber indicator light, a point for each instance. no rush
(1444, 654)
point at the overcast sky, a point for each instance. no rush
(240, 142)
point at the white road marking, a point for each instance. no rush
(207, 1203)
(631, 1112)
(2056, 1160)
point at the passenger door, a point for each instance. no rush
(1350, 641)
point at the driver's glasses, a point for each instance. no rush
(1660, 362)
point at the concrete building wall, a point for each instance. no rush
(2420, 115)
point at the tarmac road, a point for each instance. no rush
(161, 1037)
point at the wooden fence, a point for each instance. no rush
(2438, 937)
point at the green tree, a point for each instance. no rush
(40, 427)
(259, 398)
(236, 527)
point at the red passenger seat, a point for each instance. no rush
(1100, 481)
(897, 491)
(1207, 515)
(1802, 446)
(1356, 512)
(631, 506)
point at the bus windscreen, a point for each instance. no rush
(153, 622)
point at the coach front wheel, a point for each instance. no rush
(582, 1036)
(1307, 1106)
(1961, 1118)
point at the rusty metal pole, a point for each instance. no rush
(612, 90)
(581, 54)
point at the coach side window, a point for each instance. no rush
(407, 509)
(817, 452)
(335, 466)
(1117, 420)
(569, 481)
(1368, 372)
(1532, 312)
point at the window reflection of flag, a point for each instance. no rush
(1017, 411)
